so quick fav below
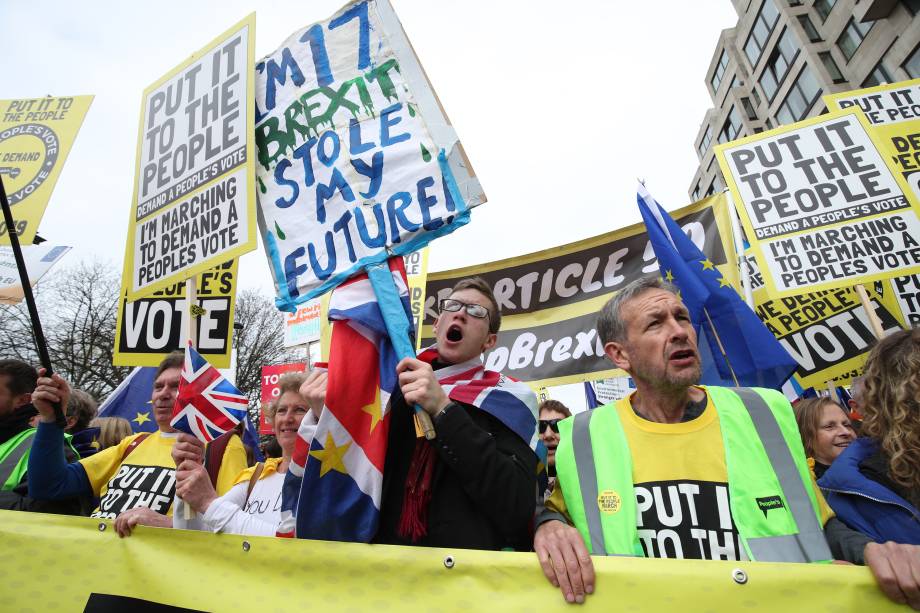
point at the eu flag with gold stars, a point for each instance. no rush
(340, 469)
(131, 400)
(735, 347)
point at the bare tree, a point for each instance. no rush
(258, 340)
(78, 307)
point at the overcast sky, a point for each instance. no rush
(560, 105)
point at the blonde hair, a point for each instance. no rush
(808, 417)
(891, 405)
(288, 382)
(111, 430)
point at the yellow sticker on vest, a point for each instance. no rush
(608, 502)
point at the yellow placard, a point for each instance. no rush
(828, 333)
(36, 135)
(226, 572)
(893, 111)
(194, 202)
(416, 276)
(150, 327)
(821, 207)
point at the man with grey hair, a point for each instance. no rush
(680, 470)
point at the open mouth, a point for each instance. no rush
(454, 334)
(682, 355)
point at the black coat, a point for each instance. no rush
(483, 487)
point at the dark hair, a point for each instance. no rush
(176, 359)
(22, 377)
(82, 405)
(554, 405)
(610, 324)
(480, 285)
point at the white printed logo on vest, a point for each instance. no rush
(686, 519)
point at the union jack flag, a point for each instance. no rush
(207, 404)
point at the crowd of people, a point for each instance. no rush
(674, 470)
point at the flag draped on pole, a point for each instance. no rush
(131, 400)
(733, 342)
(207, 404)
(339, 462)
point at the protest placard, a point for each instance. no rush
(610, 390)
(893, 110)
(828, 333)
(38, 258)
(416, 276)
(303, 325)
(357, 160)
(270, 390)
(821, 207)
(194, 198)
(550, 299)
(150, 327)
(907, 293)
(36, 135)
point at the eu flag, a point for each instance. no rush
(734, 344)
(131, 400)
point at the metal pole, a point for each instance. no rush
(40, 343)
(739, 250)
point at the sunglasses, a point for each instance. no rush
(475, 310)
(552, 424)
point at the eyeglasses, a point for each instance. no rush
(475, 310)
(552, 424)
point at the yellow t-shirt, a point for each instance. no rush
(147, 477)
(680, 480)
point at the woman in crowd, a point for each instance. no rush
(111, 430)
(826, 430)
(874, 486)
(253, 505)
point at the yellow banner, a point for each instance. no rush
(35, 137)
(58, 563)
(194, 203)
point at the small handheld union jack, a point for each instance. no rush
(207, 404)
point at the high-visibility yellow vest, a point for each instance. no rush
(772, 501)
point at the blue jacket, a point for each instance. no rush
(866, 505)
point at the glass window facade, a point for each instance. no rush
(719, 72)
(912, 64)
(878, 76)
(732, 127)
(851, 37)
(803, 94)
(828, 60)
(763, 26)
(810, 31)
(778, 65)
(823, 8)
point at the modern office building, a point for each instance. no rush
(773, 67)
